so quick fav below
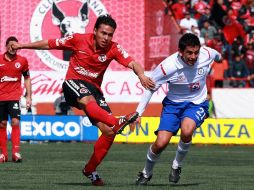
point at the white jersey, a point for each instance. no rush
(185, 82)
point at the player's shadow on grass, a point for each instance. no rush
(74, 184)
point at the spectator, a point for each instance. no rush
(208, 32)
(61, 107)
(249, 57)
(205, 17)
(238, 71)
(179, 10)
(219, 73)
(199, 8)
(218, 11)
(188, 24)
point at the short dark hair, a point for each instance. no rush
(105, 19)
(188, 39)
(11, 38)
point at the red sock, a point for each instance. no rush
(96, 113)
(3, 141)
(101, 148)
(15, 138)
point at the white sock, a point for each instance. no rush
(151, 159)
(181, 152)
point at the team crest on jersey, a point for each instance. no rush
(70, 16)
(102, 58)
(201, 71)
(17, 65)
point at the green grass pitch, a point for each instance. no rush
(57, 166)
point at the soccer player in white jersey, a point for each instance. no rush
(185, 105)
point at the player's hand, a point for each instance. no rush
(28, 102)
(147, 82)
(134, 124)
(15, 45)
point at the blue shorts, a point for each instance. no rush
(174, 112)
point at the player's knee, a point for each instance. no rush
(15, 122)
(159, 146)
(3, 123)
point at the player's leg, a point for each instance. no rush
(187, 128)
(101, 149)
(153, 155)
(192, 117)
(14, 110)
(84, 94)
(3, 132)
(169, 125)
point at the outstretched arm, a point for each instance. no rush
(43, 44)
(146, 82)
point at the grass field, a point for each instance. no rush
(57, 166)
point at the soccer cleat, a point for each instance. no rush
(174, 175)
(124, 121)
(142, 180)
(94, 177)
(16, 157)
(3, 158)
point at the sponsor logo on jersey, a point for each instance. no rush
(73, 84)
(85, 72)
(122, 51)
(9, 79)
(194, 86)
(42, 25)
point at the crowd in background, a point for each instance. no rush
(228, 27)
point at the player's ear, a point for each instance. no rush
(94, 31)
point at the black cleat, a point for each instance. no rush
(142, 180)
(174, 175)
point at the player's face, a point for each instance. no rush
(9, 49)
(103, 35)
(190, 54)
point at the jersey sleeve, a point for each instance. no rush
(66, 43)
(215, 55)
(121, 55)
(160, 75)
(25, 69)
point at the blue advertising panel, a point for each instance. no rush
(57, 128)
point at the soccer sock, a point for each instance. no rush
(181, 152)
(151, 159)
(15, 138)
(96, 113)
(3, 141)
(101, 148)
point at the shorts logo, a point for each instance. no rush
(15, 106)
(17, 65)
(102, 58)
(103, 103)
(84, 91)
(50, 13)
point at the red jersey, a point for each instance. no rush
(10, 77)
(86, 63)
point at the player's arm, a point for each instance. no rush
(28, 87)
(146, 82)
(40, 45)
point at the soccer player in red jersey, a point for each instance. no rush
(12, 67)
(91, 55)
